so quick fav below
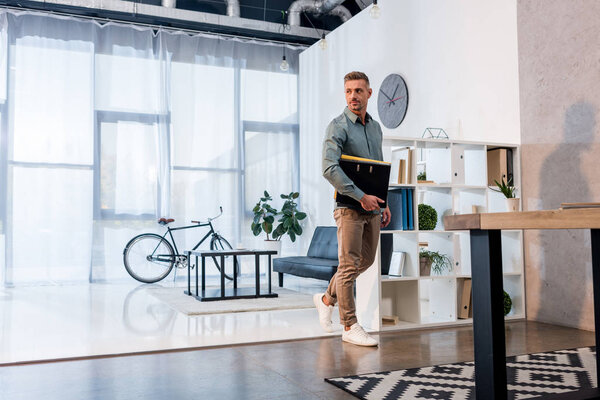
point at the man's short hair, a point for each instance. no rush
(356, 75)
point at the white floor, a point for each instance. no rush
(63, 321)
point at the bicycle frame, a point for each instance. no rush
(170, 230)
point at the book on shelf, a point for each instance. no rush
(565, 206)
(397, 263)
(370, 176)
(401, 165)
(464, 310)
(390, 320)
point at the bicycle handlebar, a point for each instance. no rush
(210, 219)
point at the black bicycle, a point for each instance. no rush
(150, 257)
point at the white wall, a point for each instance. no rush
(458, 57)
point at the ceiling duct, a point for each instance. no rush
(318, 7)
(233, 8)
(169, 3)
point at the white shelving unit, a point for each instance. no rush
(458, 170)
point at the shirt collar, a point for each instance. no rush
(353, 117)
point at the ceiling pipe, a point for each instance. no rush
(342, 12)
(318, 7)
(233, 8)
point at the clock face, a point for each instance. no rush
(392, 101)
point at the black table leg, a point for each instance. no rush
(189, 255)
(196, 273)
(257, 273)
(269, 272)
(235, 266)
(222, 276)
(203, 274)
(595, 233)
(488, 315)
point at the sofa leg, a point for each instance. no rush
(280, 279)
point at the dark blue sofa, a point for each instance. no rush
(321, 261)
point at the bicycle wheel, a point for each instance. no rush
(148, 257)
(217, 242)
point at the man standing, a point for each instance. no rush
(353, 133)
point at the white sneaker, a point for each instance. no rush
(357, 335)
(324, 311)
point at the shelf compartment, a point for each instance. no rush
(469, 164)
(437, 300)
(465, 200)
(435, 159)
(440, 242)
(440, 199)
(406, 242)
(497, 201)
(401, 299)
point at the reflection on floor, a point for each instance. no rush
(271, 371)
(51, 322)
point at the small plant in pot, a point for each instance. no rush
(433, 261)
(512, 202)
(427, 217)
(507, 303)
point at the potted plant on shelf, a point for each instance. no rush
(433, 261)
(427, 217)
(512, 202)
(507, 303)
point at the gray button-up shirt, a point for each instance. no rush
(347, 135)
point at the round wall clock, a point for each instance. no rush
(392, 101)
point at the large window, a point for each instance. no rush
(104, 129)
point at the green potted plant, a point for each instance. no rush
(512, 202)
(289, 217)
(289, 223)
(433, 261)
(427, 217)
(264, 216)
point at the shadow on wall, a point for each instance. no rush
(566, 264)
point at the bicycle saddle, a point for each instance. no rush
(165, 221)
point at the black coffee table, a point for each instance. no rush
(223, 293)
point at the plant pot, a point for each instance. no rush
(512, 204)
(273, 245)
(424, 266)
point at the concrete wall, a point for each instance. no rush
(559, 73)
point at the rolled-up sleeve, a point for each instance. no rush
(335, 137)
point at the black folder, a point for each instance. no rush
(370, 176)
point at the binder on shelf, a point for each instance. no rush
(404, 209)
(370, 176)
(500, 165)
(464, 310)
(387, 247)
(411, 224)
(397, 263)
(394, 201)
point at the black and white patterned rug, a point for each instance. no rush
(528, 376)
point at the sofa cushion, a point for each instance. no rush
(324, 243)
(309, 267)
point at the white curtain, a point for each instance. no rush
(106, 128)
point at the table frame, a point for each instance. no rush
(224, 293)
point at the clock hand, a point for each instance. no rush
(393, 100)
(395, 90)
(382, 92)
